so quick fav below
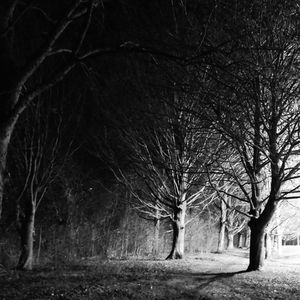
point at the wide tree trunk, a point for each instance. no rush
(177, 251)
(230, 237)
(256, 246)
(221, 237)
(258, 225)
(26, 231)
(260, 221)
(240, 244)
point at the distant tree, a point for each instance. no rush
(235, 224)
(288, 220)
(232, 212)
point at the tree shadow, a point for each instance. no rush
(204, 279)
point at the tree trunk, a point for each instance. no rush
(155, 250)
(259, 223)
(177, 251)
(268, 246)
(222, 226)
(26, 232)
(247, 238)
(230, 236)
(240, 240)
(256, 246)
(221, 237)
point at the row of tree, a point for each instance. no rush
(198, 106)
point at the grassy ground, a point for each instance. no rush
(214, 276)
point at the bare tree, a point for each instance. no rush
(235, 224)
(39, 154)
(19, 69)
(60, 39)
(169, 155)
(232, 212)
(258, 112)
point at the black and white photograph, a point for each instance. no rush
(149, 149)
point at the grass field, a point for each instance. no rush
(210, 276)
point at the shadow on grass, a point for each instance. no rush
(212, 277)
(203, 279)
(78, 280)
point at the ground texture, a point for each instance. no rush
(214, 276)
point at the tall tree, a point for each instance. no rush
(41, 43)
(169, 153)
(257, 109)
(58, 32)
(40, 147)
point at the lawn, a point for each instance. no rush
(210, 276)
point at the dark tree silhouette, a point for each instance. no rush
(58, 32)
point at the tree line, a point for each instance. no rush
(187, 105)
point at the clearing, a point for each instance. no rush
(207, 276)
